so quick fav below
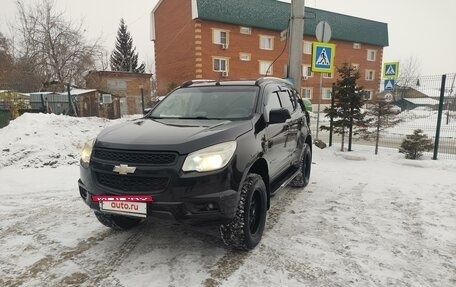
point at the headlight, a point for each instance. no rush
(210, 158)
(87, 152)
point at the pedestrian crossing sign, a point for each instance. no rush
(323, 57)
(391, 70)
(389, 85)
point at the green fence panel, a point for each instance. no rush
(5, 116)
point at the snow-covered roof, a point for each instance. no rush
(42, 93)
(77, 92)
(422, 101)
(434, 92)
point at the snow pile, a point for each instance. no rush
(40, 140)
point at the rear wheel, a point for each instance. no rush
(117, 222)
(245, 230)
(305, 164)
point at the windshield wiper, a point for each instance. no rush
(194, 118)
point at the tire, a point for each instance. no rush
(117, 222)
(245, 230)
(305, 165)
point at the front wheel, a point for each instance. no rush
(117, 222)
(305, 164)
(245, 230)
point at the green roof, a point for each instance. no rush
(274, 15)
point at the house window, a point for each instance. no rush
(306, 93)
(246, 30)
(265, 68)
(307, 48)
(244, 56)
(327, 75)
(307, 71)
(219, 37)
(266, 42)
(356, 46)
(355, 66)
(370, 74)
(368, 94)
(371, 55)
(220, 65)
(107, 99)
(326, 93)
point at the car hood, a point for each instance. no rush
(182, 136)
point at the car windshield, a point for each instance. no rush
(213, 102)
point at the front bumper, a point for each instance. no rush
(191, 197)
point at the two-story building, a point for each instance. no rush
(240, 39)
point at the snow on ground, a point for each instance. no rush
(364, 220)
(425, 120)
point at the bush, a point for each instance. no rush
(414, 145)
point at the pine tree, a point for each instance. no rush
(124, 57)
(414, 145)
(383, 116)
(348, 100)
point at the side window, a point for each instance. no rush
(286, 98)
(272, 102)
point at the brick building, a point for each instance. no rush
(125, 87)
(240, 39)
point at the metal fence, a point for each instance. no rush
(5, 114)
(427, 103)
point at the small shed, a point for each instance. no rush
(96, 103)
(412, 103)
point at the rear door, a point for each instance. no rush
(288, 101)
(278, 143)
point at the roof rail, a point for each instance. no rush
(265, 79)
(191, 82)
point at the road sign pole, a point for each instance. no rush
(319, 103)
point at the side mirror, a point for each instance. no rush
(278, 116)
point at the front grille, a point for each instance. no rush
(137, 157)
(132, 183)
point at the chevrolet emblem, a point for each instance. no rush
(124, 169)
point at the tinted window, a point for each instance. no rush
(287, 100)
(272, 102)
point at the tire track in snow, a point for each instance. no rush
(44, 265)
(114, 259)
(102, 272)
(42, 206)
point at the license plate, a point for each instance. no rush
(138, 209)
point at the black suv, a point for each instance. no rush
(209, 151)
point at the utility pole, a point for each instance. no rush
(296, 36)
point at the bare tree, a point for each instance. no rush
(53, 44)
(6, 62)
(409, 75)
